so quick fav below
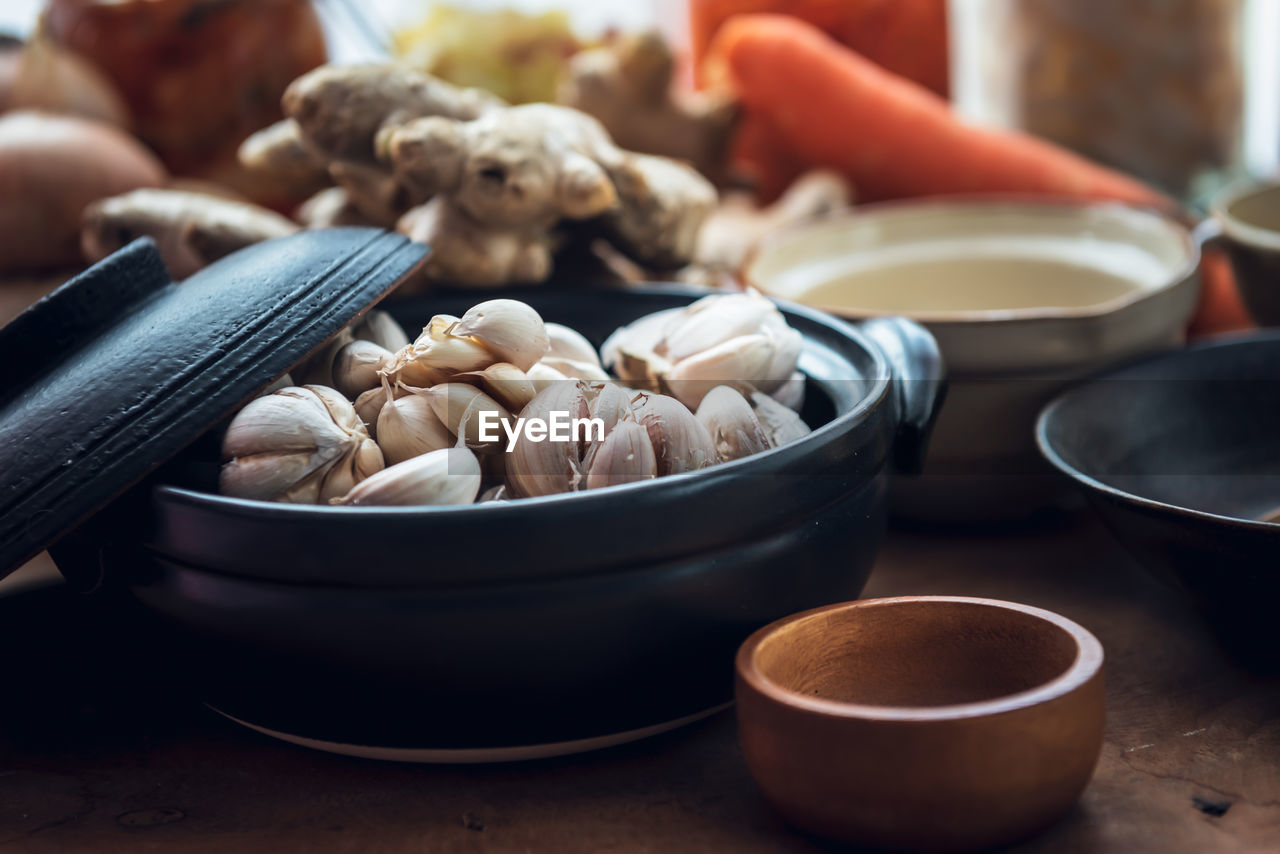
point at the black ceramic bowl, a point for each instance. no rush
(1181, 457)
(544, 625)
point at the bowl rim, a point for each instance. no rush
(1088, 662)
(960, 203)
(1237, 229)
(877, 393)
(1054, 458)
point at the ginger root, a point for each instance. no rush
(487, 185)
(498, 184)
(340, 109)
(191, 230)
(627, 86)
(278, 157)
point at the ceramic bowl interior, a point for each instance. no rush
(1249, 216)
(1252, 215)
(927, 657)
(976, 260)
(928, 723)
(1190, 433)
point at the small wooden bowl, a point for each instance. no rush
(927, 723)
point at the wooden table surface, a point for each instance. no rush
(106, 755)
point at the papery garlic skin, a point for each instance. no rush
(548, 468)
(781, 424)
(436, 355)
(445, 477)
(680, 442)
(625, 456)
(298, 445)
(735, 431)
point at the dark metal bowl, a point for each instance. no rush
(1180, 455)
(541, 621)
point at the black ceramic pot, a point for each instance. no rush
(525, 628)
(1179, 455)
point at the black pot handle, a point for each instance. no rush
(918, 384)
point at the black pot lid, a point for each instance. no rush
(120, 368)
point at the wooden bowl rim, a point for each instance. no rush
(1088, 662)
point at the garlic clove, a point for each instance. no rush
(735, 431)
(409, 427)
(368, 407)
(547, 468)
(504, 382)
(611, 404)
(364, 462)
(738, 360)
(716, 319)
(566, 343)
(356, 367)
(443, 477)
(781, 424)
(459, 405)
(509, 329)
(575, 369)
(317, 369)
(680, 442)
(543, 377)
(625, 456)
(381, 328)
(791, 393)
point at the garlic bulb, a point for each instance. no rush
(409, 427)
(356, 366)
(509, 329)
(720, 339)
(735, 430)
(443, 477)
(680, 442)
(299, 445)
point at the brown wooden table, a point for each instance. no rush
(106, 756)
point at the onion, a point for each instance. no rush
(50, 168)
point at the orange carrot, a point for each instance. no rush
(891, 137)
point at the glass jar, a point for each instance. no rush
(1152, 87)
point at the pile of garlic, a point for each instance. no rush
(380, 420)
